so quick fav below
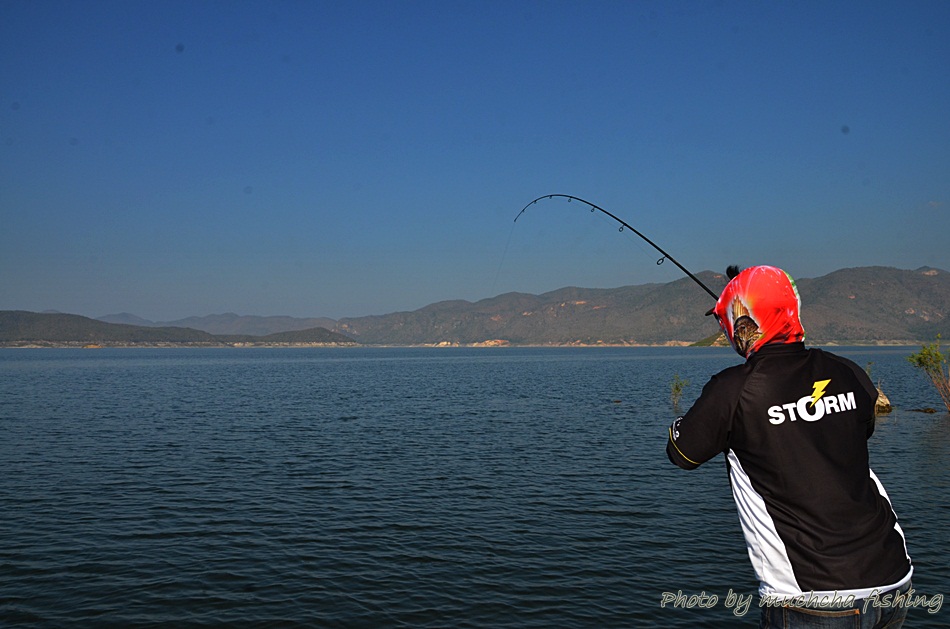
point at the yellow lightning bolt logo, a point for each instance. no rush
(819, 390)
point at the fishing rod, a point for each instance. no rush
(623, 224)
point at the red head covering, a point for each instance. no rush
(759, 306)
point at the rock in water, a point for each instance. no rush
(882, 405)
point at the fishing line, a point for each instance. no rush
(504, 254)
(623, 225)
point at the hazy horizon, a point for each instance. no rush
(126, 313)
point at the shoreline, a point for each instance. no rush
(442, 345)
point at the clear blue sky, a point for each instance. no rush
(350, 158)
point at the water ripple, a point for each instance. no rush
(387, 488)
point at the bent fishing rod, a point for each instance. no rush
(623, 225)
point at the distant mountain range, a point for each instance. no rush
(30, 329)
(857, 305)
(228, 323)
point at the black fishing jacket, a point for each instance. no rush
(793, 424)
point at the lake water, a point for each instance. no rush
(357, 487)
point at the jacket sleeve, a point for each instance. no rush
(703, 432)
(869, 388)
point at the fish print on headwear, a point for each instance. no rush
(759, 306)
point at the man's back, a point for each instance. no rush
(798, 462)
(793, 424)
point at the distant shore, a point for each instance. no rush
(442, 345)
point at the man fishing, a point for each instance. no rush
(793, 424)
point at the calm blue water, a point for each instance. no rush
(394, 488)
